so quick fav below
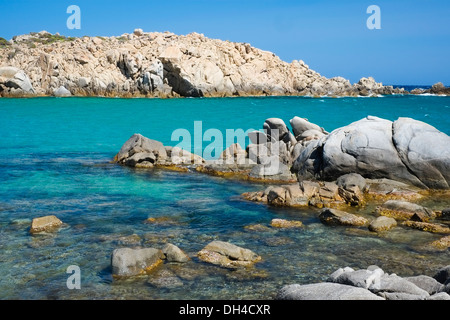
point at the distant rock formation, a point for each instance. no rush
(156, 64)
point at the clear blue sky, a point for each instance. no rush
(413, 46)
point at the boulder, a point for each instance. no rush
(15, 78)
(338, 217)
(227, 255)
(128, 262)
(301, 125)
(395, 284)
(424, 150)
(275, 128)
(325, 291)
(406, 150)
(382, 224)
(426, 283)
(45, 224)
(62, 92)
(174, 254)
(140, 144)
(439, 296)
(403, 210)
(351, 180)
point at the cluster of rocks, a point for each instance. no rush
(129, 262)
(161, 65)
(372, 284)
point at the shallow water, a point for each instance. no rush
(55, 160)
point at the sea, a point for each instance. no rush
(56, 160)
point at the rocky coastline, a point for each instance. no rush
(154, 64)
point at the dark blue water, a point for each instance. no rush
(55, 160)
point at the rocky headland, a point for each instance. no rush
(153, 64)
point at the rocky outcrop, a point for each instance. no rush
(166, 65)
(405, 150)
(367, 284)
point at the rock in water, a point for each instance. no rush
(139, 144)
(45, 224)
(227, 255)
(338, 217)
(62, 92)
(174, 254)
(128, 262)
(382, 224)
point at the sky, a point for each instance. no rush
(331, 36)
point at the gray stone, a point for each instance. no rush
(382, 224)
(424, 150)
(401, 296)
(275, 128)
(140, 144)
(325, 291)
(128, 262)
(395, 284)
(350, 180)
(227, 255)
(300, 125)
(338, 217)
(439, 296)
(62, 92)
(332, 277)
(174, 254)
(443, 275)
(364, 147)
(426, 283)
(15, 78)
(359, 278)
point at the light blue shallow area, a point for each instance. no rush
(55, 156)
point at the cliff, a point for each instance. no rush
(159, 65)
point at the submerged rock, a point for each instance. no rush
(227, 255)
(382, 224)
(45, 224)
(402, 210)
(126, 262)
(282, 223)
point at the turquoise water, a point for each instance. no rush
(55, 160)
